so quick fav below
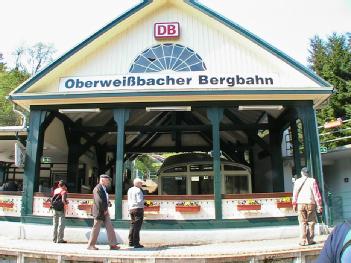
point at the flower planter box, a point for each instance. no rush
(188, 209)
(248, 207)
(46, 204)
(284, 205)
(155, 208)
(6, 205)
(85, 207)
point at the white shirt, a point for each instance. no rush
(309, 193)
(135, 198)
(103, 187)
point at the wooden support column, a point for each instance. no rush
(253, 173)
(32, 162)
(296, 146)
(305, 118)
(2, 174)
(215, 115)
(47, 121)
(121, 116)
(312, 150)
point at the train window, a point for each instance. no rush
(173, 185)
(236, 184)
(176, 169)
(233, 168)
(201, 185)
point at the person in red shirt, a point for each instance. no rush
(59, 213)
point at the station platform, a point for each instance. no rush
(274, 250)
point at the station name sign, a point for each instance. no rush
(152, 81)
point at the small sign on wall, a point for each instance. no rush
(169, 30)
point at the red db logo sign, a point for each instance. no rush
(166, 30)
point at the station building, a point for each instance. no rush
(170, 76)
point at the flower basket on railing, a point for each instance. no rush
(47, 204)
(150, 206)
(285, 202)
(188, 207)
(85, 206)
(249, 205)
(5, 204)
(284, 205)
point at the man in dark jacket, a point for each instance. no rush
(101, 214)
(337, 248)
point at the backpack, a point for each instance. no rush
(56, 202)
(348, 243)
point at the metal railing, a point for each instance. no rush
(339, 207)
(288, 151)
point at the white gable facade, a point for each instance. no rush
(235, 67)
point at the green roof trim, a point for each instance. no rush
(196, 5)
(165, 93)
(80, 46)
(309, 73)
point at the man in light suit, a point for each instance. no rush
(136, 211)
(101, 214)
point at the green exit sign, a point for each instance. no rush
(324, 149)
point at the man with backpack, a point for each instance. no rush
(58, 202)
(337, 248)
(307, 201)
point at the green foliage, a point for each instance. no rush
(331, 59)
(9, 80)
(29, 60)
(146, 164)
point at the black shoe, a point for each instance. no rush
(62, 241)
(131, 245)
(138, 246)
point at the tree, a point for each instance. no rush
(2, 63)
(32, 59)
(29, 60)
(9, 80)
(331, 59)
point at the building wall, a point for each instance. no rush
(334, 176)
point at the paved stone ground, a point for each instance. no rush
(220, 250)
